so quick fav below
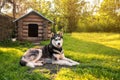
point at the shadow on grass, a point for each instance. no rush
(51, 68)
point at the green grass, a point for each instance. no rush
(98, 54)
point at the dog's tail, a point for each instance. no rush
(24, 62)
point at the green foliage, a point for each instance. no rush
(68, 13)
(106, 18)
(100, 24)
(73, 15)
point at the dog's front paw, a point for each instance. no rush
(30, 64)
(39, 64)
(55, 58)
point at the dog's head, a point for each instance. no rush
(57, 39)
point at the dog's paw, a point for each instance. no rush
(30, 64)
(39, 64)
(75, 63)
(69, 64)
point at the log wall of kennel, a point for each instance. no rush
(44, 27)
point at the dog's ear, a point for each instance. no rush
(61, 33)
(52, 34)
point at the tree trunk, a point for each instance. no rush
(54, 30)
(14, 9)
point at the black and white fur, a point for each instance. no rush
(51, 53)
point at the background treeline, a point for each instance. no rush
(71, 15)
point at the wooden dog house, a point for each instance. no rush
(33, 27)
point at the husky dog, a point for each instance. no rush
(51, 53)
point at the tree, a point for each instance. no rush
(109, 10)
(110, 6)
(69, 12)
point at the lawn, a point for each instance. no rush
(98, 54)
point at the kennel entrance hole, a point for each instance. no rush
(33, 30)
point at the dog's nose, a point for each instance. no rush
(58, 43)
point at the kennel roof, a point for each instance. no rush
(33, 11)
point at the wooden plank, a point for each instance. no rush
(20, 23)
(33, 15)
(39, 35)
(19, 32)
(49, 25)
(26, 23)
(33, 19)
(40, 27)
(25, 31)
(49, 28)
(40, 31)
(49, 31)
(49, 35)
(38, 21)
(24, 38)
(20, 29)
(25, 27)
(24, 35)
(33, 38)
